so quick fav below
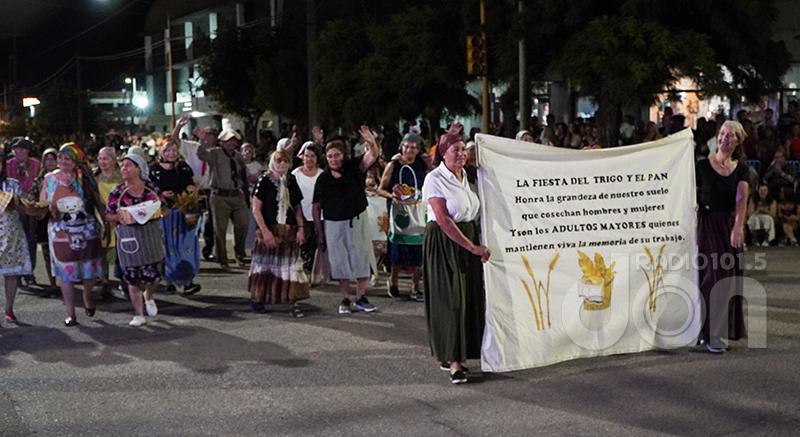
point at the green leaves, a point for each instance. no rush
(412, 66)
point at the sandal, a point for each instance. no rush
(90, 311)
(69, 321)
(296, 312)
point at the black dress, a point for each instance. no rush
(719, 261)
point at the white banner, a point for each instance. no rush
(593, 251)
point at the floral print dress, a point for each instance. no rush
(149, 273)
(14, 255)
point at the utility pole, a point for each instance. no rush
(80, 110)
(485, 79)
(524, 96)
(311, 39)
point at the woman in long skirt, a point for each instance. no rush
(453, 276)
(276, 270)
(722, 193)
(173, 177)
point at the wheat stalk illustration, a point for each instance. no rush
(540, 289)
(657, 281)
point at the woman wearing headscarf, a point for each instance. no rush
(276, 270)
(453, 276)
(49, 163)
(108, 176)
(15, 260)
(339, 194)
(722, 192)
(405, 251)
(140, 245)
(172, 177)
(73, 230)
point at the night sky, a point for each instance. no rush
(48, 33)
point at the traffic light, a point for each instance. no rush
(476, 55)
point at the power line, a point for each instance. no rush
(80, 34)
(60, 72)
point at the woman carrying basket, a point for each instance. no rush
(173, 179)
(135, 207)
(401, 184)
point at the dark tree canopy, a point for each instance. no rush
(413, 66)
(57, 115)
(626, 52)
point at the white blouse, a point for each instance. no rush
(306, 185)
(461, 197)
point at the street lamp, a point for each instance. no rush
(168, 46)
(138, 99)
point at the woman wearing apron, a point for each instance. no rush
(73, 230)
(140, 245)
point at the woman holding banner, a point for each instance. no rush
(453, 276)
(722, 193)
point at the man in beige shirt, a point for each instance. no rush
(228, 188)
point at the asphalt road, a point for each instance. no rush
(206, 365)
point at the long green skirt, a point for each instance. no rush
(455, 302)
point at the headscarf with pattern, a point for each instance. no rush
(87, 186)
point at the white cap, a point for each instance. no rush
(227, 134)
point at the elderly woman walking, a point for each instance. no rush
(135, 206)
(173, 177)
(108, 177)
(339, 194)
(49, 163)
(73, 231)
(453, 272)
(276, 271)
(401, 184)
(14, 258)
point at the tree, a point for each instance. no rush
(227, 70)
(626, 52)
(57, 115)
(412, 66)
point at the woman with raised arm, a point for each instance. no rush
(339, 194)
(173, 177)
(453, 273)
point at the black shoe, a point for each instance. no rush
(459, 377)
(444, 365)
(171, 289)
(209, 256)
(257, 307)
(394, 291)
(192, 288)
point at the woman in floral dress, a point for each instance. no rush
(140, 246)
(73, 230)
(14, 256)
